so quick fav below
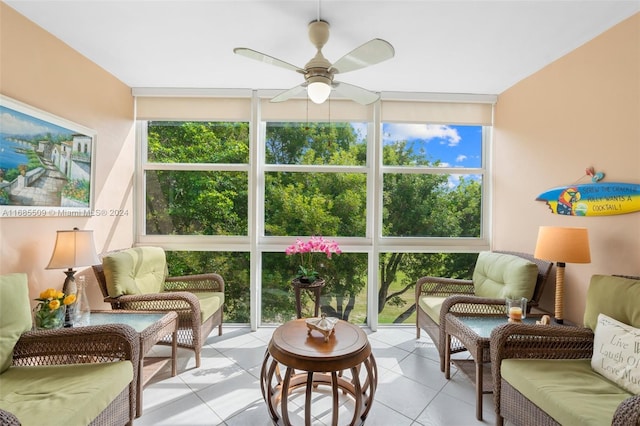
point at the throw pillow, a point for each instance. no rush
(15, 314)
(616, 353)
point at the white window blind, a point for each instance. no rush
(239, 109)
(304, 110)
(469, 113)
(193, 108)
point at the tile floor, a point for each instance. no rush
(225, 390)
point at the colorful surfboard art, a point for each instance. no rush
(593, 199)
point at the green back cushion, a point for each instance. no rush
(615, 297)
(499, 275)
(139, 270)
(15, 314)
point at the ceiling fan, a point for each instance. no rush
(318, 72)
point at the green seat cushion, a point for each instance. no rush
(15, 314)
(210, 302)
(139, 270)
(500, 275)
(431, 305)
(615, 297)
(62, 394)
(567, 390)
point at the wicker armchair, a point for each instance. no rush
(460, 298)
(185, 295)
(551, 343)
(92, 344)
(85, 375)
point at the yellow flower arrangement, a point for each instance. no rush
(49, 312)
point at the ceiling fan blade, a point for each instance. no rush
(288, 94)
(252, 54)
(370, 53)
(358, 94)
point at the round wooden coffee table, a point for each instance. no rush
(319, 363)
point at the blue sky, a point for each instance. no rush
(454, 146)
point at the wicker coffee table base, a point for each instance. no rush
(276, 389)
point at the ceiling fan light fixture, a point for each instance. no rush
(318, 89)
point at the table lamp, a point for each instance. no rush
(73, 248)
(562, 245)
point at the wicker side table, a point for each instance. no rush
(151, 328)
(474, 333)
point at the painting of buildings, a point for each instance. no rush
(45, 163)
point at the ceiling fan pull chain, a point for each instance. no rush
(330, 134)
(307, 112)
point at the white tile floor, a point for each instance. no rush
(225, 390)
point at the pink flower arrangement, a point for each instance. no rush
(306, 251)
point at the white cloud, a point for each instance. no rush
(460, 158)
(454, 181)
(422, 131)
(15, 126)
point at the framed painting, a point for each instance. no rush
(46, 163)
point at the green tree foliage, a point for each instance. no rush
(234, 268)
(198, 142)
(314, 143)
(197, 202)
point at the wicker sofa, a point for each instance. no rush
(70, 376)
(543, 374)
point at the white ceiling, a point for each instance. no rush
(474, 46)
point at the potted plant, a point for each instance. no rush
(49, 312)
(307, 250)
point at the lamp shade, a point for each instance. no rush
(563, 244)
(73, 248)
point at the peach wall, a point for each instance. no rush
(39, 70)
(581, 110)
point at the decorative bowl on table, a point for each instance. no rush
(323, 324)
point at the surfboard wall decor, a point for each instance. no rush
(593, 199)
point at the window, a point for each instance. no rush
(196, 184)
(432, 180)
(227, 184)
(201, 197)
(327, 194)
(315, 184)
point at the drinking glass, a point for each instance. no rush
(516, 308)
